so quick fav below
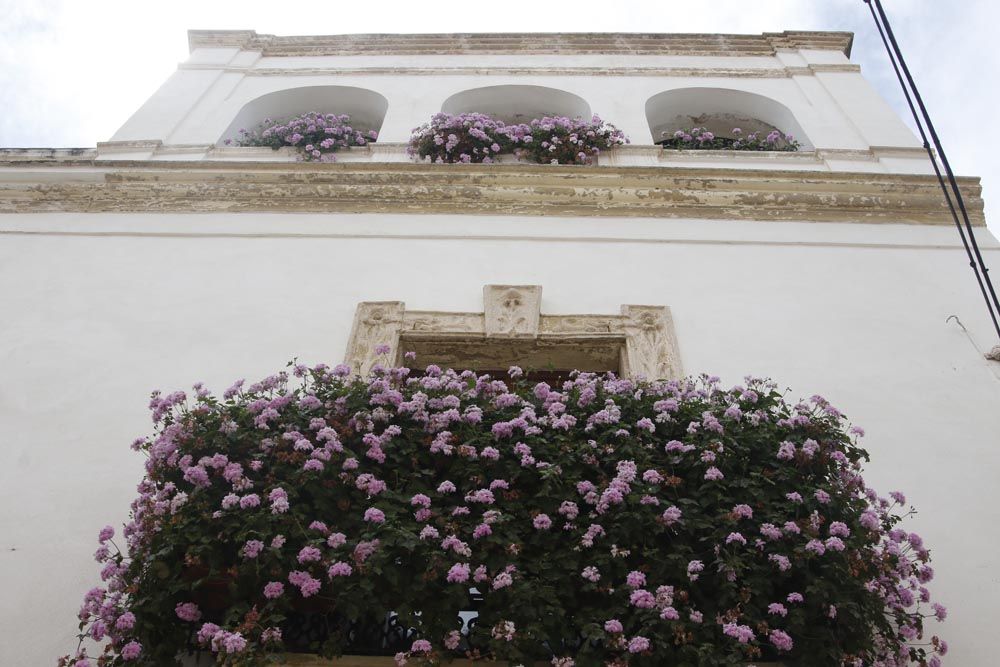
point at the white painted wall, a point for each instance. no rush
(100, 309)
(836, 110)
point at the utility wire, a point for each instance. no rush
(979, 267)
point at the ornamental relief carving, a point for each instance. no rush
(444, 323)
(512, 310)
(511, 330)
(651, 347)
(582, 324)
(375, 324)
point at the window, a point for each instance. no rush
(512, 331)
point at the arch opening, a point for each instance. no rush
(720, 110)
(365, 107)
(517, 104)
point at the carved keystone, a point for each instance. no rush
(512, 311)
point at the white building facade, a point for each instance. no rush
(165, 257)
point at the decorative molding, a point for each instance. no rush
(512, 330)
(222, 39)
(182, 149)
(375, 323)
(712, 155)
(650, 343)
(512, 311)
(891, 151)
(390, 151)
(251, 153)
(136, 146)
(14, 155)
(581, 325)
(818, 68)
(543, 70)
(417, 323)
(95, 186)
(765, 44)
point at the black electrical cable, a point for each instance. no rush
(973, 253)
(930, 154)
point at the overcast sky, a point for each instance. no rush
(72, 71)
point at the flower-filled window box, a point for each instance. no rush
(480, 138)
(317, 136)
(700, 138)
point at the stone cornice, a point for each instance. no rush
(765, 44)
(668, 192)
(723, 72)
(10, 155)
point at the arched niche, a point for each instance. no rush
(720, 110)
(365, 107)
(517, 104)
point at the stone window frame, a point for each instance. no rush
(642, 337)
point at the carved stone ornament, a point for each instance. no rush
(512, 310)
(513, 331)
(651, 347)
(376, 323)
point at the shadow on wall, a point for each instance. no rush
(517, 104)
(720, 110)
(365, 107)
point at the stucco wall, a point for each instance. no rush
(100, 309)
(827, 95)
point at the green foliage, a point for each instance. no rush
(680, 510)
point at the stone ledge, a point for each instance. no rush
(682, 192)
(766, 44)
(528, 70)
(632, 155)
(12, 155)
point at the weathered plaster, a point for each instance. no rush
(541, 70)
(523, 43)
(732, 194)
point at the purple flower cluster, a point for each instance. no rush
(317, 136)
(480, 138)
(700, 138)
(562, 140)
(460, 138)
(660, 517)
